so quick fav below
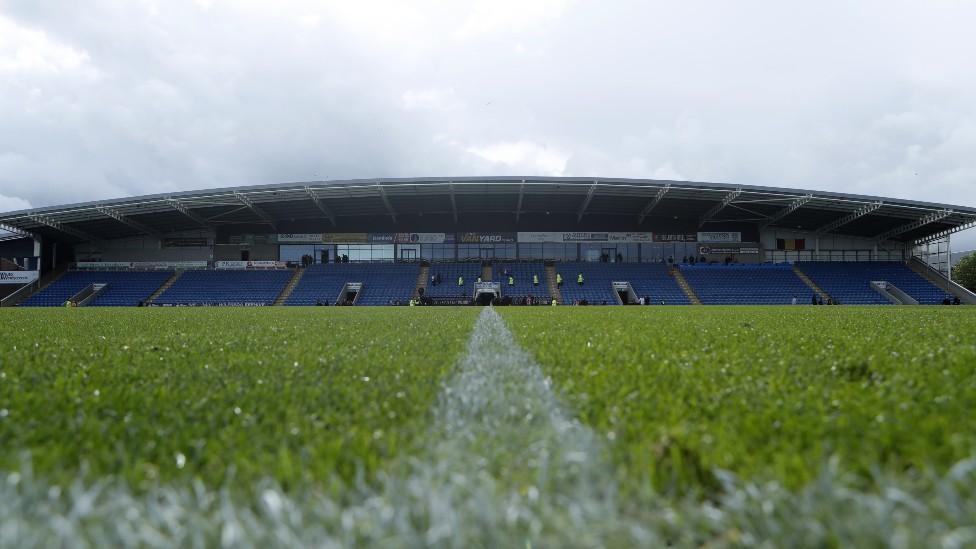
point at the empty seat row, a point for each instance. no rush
(745, 284)
(125, 288)
(226, 288)
(850, 282)
(383, 283)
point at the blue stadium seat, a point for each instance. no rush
(226, 288)
(745, 284)
(652, 280)
(382, 283)
(449, 274)
(125, 288)
(850, 282)
(522, 275)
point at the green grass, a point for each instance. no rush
(765, 393)
(361, 426)
(297, 395)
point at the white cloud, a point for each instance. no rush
(434, 99)
(13, 203)
(524, 155)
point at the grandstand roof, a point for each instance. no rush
(639, 203)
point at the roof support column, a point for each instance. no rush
(386, 201)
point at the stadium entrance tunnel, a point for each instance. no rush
(485, 297)
(625, 293)
(350, 293)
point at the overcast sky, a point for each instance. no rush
(104, 99)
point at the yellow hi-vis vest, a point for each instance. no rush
(460, 281)
(559, 278)
(579, 278)
(511, 281)
(535, 279)
(553, 302)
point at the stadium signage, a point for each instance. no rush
(486, 238)
(572, 237)
(719, 237)
(300, 238)
(345, 238)
(249, 264)
(675, 237)
(141, 265)
(17, 277)
(727, 250)
(411, 238)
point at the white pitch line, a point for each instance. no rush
(505, 466)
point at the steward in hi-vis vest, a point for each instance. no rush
(559, 280)
(535, 280)
(579, 279)
(460, 280)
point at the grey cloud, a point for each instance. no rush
(118, 98)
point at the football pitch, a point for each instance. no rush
(532, 426)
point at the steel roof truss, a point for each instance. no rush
(586, 201)
(386, 202)
(726, 200)
(792, 207)
(320, 205)
(44, 220)
(855, 215)
(450, 188)
(518, 208)
(257, 211)
(126, 220)
(653, 203)
(930, 218)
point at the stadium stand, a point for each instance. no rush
(653, 280)
(522, 277)
(226, 288)
(449, 273)
(383, 283)
(849, 283)
(746, 284)
(597, 286)
(125, 288)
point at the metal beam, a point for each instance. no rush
(518, 208)
(586, 202)
(653, 203)
(257, 211)
(945, 233)
(43, 220)
(21, 233)
(126, 220)
(450, 187)
(386, 202)
(181, 207)
(726, 200)
(857, 214)
(792, 207)
(320, 205)
(930, 218)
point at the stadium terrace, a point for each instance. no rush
(502, 240)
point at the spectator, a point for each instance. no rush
(794, 300)
(956, 301)
(813, 299)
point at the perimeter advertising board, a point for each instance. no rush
(17, 277)
(411, 238)
(300, 238)
(719, 237)
(574, 237)
(486, 238)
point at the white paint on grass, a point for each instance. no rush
(506, 466)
